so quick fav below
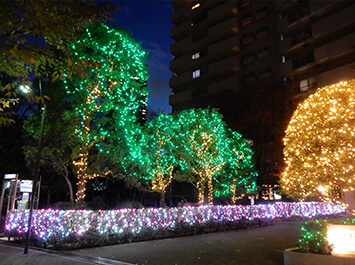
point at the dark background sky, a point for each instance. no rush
(149, 23)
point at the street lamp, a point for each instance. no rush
(27, 89)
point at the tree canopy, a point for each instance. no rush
(320, 144)
(111, 99)
(35, 37)
(210, 156)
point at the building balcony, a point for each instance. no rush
(223, 10)
(180, 3)
(335, 21)
(264, 54)
(332, 49)
(262, 34)
(179, 48)
(180, 63)
(261, 14)
(180, 79)
(318, 66)
(246, 21)
(248, 59)
(225, 26)
(265, 75)
(180, 97)
(224, 85)
(180, 31)
(180, 15)
(248, 39)
(225, 45)
(245, 3)
(231, 63)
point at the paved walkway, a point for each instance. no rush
(257, 246)
(263, 245)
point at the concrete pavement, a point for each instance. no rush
(13, 254)
(262, 245)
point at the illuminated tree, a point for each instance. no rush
(200, 137)
(34, 37)
(160, 154)
(320, 144)
(109, 100)
(238, 176)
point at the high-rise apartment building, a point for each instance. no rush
(254, 60)
(317, 44)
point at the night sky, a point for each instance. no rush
(149, 23)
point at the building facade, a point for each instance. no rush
(255, 61)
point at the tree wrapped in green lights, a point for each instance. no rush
(109, 101)
(160, 154)
(320, 144)
(200, 137)
(238, 175)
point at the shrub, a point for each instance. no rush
(313, 238)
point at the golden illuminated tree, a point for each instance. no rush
(320, 144)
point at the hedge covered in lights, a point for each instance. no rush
(79, 228)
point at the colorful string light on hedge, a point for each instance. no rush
(320, 144)
(60, 224)
(109, 100)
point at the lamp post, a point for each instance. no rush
(26, 89)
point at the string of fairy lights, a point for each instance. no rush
(320, 144)
(115, 88)
(107, 102)
(207, 149)
(49, 223)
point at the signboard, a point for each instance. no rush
(10, 176)
(22, 204)
(26, 186)
(342, 237)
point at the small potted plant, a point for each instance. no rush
(313, 247)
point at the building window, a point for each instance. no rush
(304, 85)
(307, 84)
(196, 73)
(195, 6)
(195, 56)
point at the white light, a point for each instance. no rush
(25, 89)
(342, 237)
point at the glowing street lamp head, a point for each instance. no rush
(25, 89)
